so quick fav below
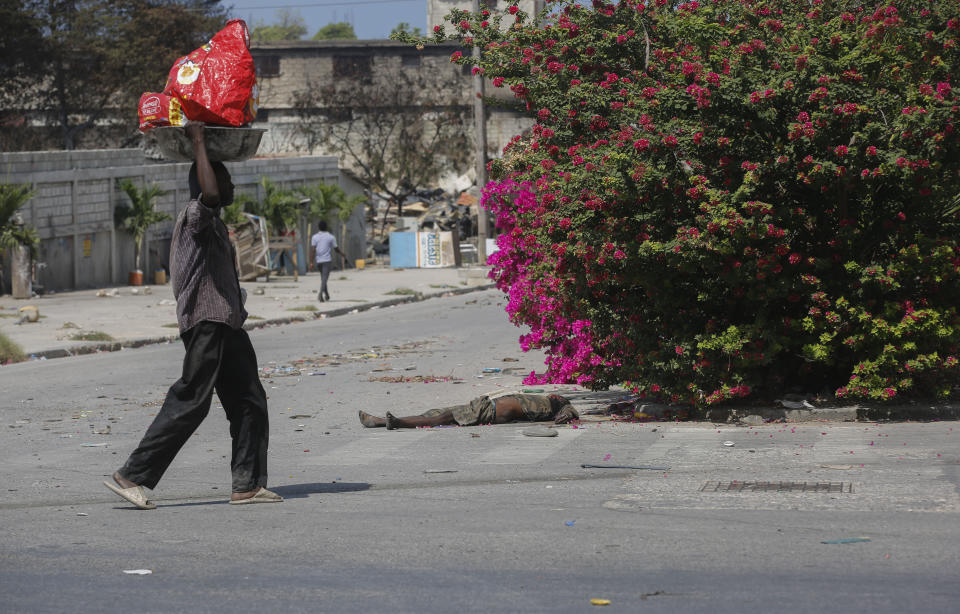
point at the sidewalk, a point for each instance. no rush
(78, 322)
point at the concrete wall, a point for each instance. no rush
(438, 9)
(310, 63)
(76, 194)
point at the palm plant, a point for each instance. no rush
(14, 235)
(140, 213)
(280, 207)
(325, 198)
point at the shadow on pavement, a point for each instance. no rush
(299, 491)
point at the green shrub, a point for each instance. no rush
(732, 198)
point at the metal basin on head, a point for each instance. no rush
(224, 143)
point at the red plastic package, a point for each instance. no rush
(158, 110)
(217, 83)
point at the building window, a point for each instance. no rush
(267, 65)
(352, 66)
(410, 61)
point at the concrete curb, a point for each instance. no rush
(851, 413)
(114, 346)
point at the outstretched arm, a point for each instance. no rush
(210, 191)
(566, 415)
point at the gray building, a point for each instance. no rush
(76, 194)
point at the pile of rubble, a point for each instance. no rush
(424, 210)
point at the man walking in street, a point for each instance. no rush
(323, 244)
(219, 355)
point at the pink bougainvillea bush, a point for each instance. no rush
(731, 199)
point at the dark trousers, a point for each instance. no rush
(324, 276)
(218, 357)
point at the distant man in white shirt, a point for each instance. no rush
(322, 245)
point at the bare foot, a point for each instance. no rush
(391, 422)
(371, 421)
(123, 482)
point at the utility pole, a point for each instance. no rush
(480, 133)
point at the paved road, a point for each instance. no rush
(513, 525)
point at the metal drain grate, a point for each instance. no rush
(736, 486)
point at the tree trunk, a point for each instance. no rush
(21, 282)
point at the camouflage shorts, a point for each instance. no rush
(481, 410)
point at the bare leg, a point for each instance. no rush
(371, 421)
(412, 422)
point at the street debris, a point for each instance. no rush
(28, 313)
(847, 540)
(492, 370)
(599, 602)
(569, 523)
(418, 379)
(804, 404)
(315, 365)
(540, 431)
(93, 445)
(138, 572)
(440, 471)
(729, 444)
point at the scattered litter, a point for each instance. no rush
(82, 514)
(475, 434)
(440, 470)
(109, 293)
(533, 390)
(104, 431)
(837, 467)
(599, 602)
(93, 445)
(28, 313)
(569, 523)
(540, 431)
(729, 444)
(492, 370)
(607, 457)
(511, 360)
(795, 404)
(316, 373)
(645, 467)
(296, 416)
(138, 572)
(847, 540)
(418, 379)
